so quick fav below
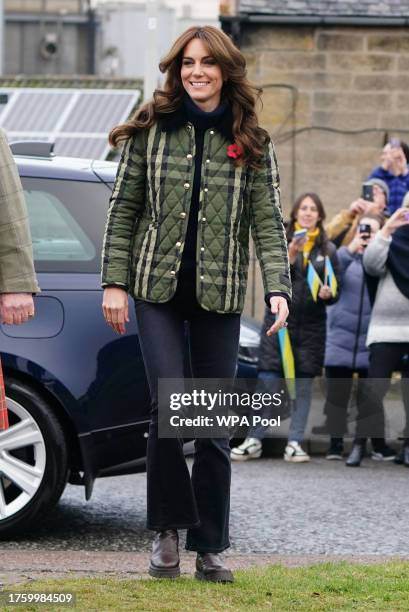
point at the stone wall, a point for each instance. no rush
(351, 79)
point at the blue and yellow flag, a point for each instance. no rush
(313, 280)
(330, 277)
(287, 360)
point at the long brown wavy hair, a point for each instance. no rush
(237, 91)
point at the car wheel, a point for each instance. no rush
(33, 460)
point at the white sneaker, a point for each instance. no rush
(250, 449)
(293, 452)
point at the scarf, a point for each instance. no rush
(312, 236)
(398, 259)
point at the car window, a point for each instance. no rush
(67, 220)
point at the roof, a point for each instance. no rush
(66, 168)
(326, 8)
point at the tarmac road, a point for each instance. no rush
(320, 508)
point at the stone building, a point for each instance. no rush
(335, 76)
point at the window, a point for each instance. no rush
(67, 220)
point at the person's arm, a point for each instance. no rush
(127, 203)
(269, 236)
(340, 224)
(267, 227)
(376, 254)
(17, 274)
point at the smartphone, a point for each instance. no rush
(299, 234)
(367, 192)
(365, 231)
(365, 228)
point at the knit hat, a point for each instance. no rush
(381, 184)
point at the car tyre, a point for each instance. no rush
(46, 459)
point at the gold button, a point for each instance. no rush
(186, 185)
(275, 185)
(205, 190)
(189, 156)
(212, 132)
(178, 245)
(202, 278)
(182, 215)
(189, 127)
(204, 220)
(172, 272)
(207, 161)
(202, 249)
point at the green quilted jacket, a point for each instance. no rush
(149, 211)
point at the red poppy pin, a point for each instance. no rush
(234, 151)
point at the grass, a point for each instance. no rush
(327, 586)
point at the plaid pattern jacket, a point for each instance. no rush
(149, 210)
(17, 273)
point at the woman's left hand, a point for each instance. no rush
(325, 292)
(279, 307)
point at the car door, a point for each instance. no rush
(98, 375)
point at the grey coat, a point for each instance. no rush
(390, 314)
(348, 319)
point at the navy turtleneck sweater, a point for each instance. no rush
(201, 122)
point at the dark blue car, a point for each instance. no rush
(77, 393)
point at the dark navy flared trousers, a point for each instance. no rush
(170, 333)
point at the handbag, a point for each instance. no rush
(4, 418)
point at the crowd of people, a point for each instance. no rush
(358, 331)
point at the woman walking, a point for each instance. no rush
(306, 326)
(196, 173)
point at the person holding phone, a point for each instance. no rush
(197, 173)
(373, 201)
(307, 242)
(346, 353)
(386, 258)
(394, 171)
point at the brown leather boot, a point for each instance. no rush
(165, 555)
(209, 566)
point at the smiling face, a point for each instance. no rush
(307, 214)
(201, 76)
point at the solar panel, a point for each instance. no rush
(77, 120)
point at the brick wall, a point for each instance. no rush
(348, 78)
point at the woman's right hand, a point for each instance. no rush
(399, 218)
(115, 308)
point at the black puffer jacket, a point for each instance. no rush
(307, 319)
